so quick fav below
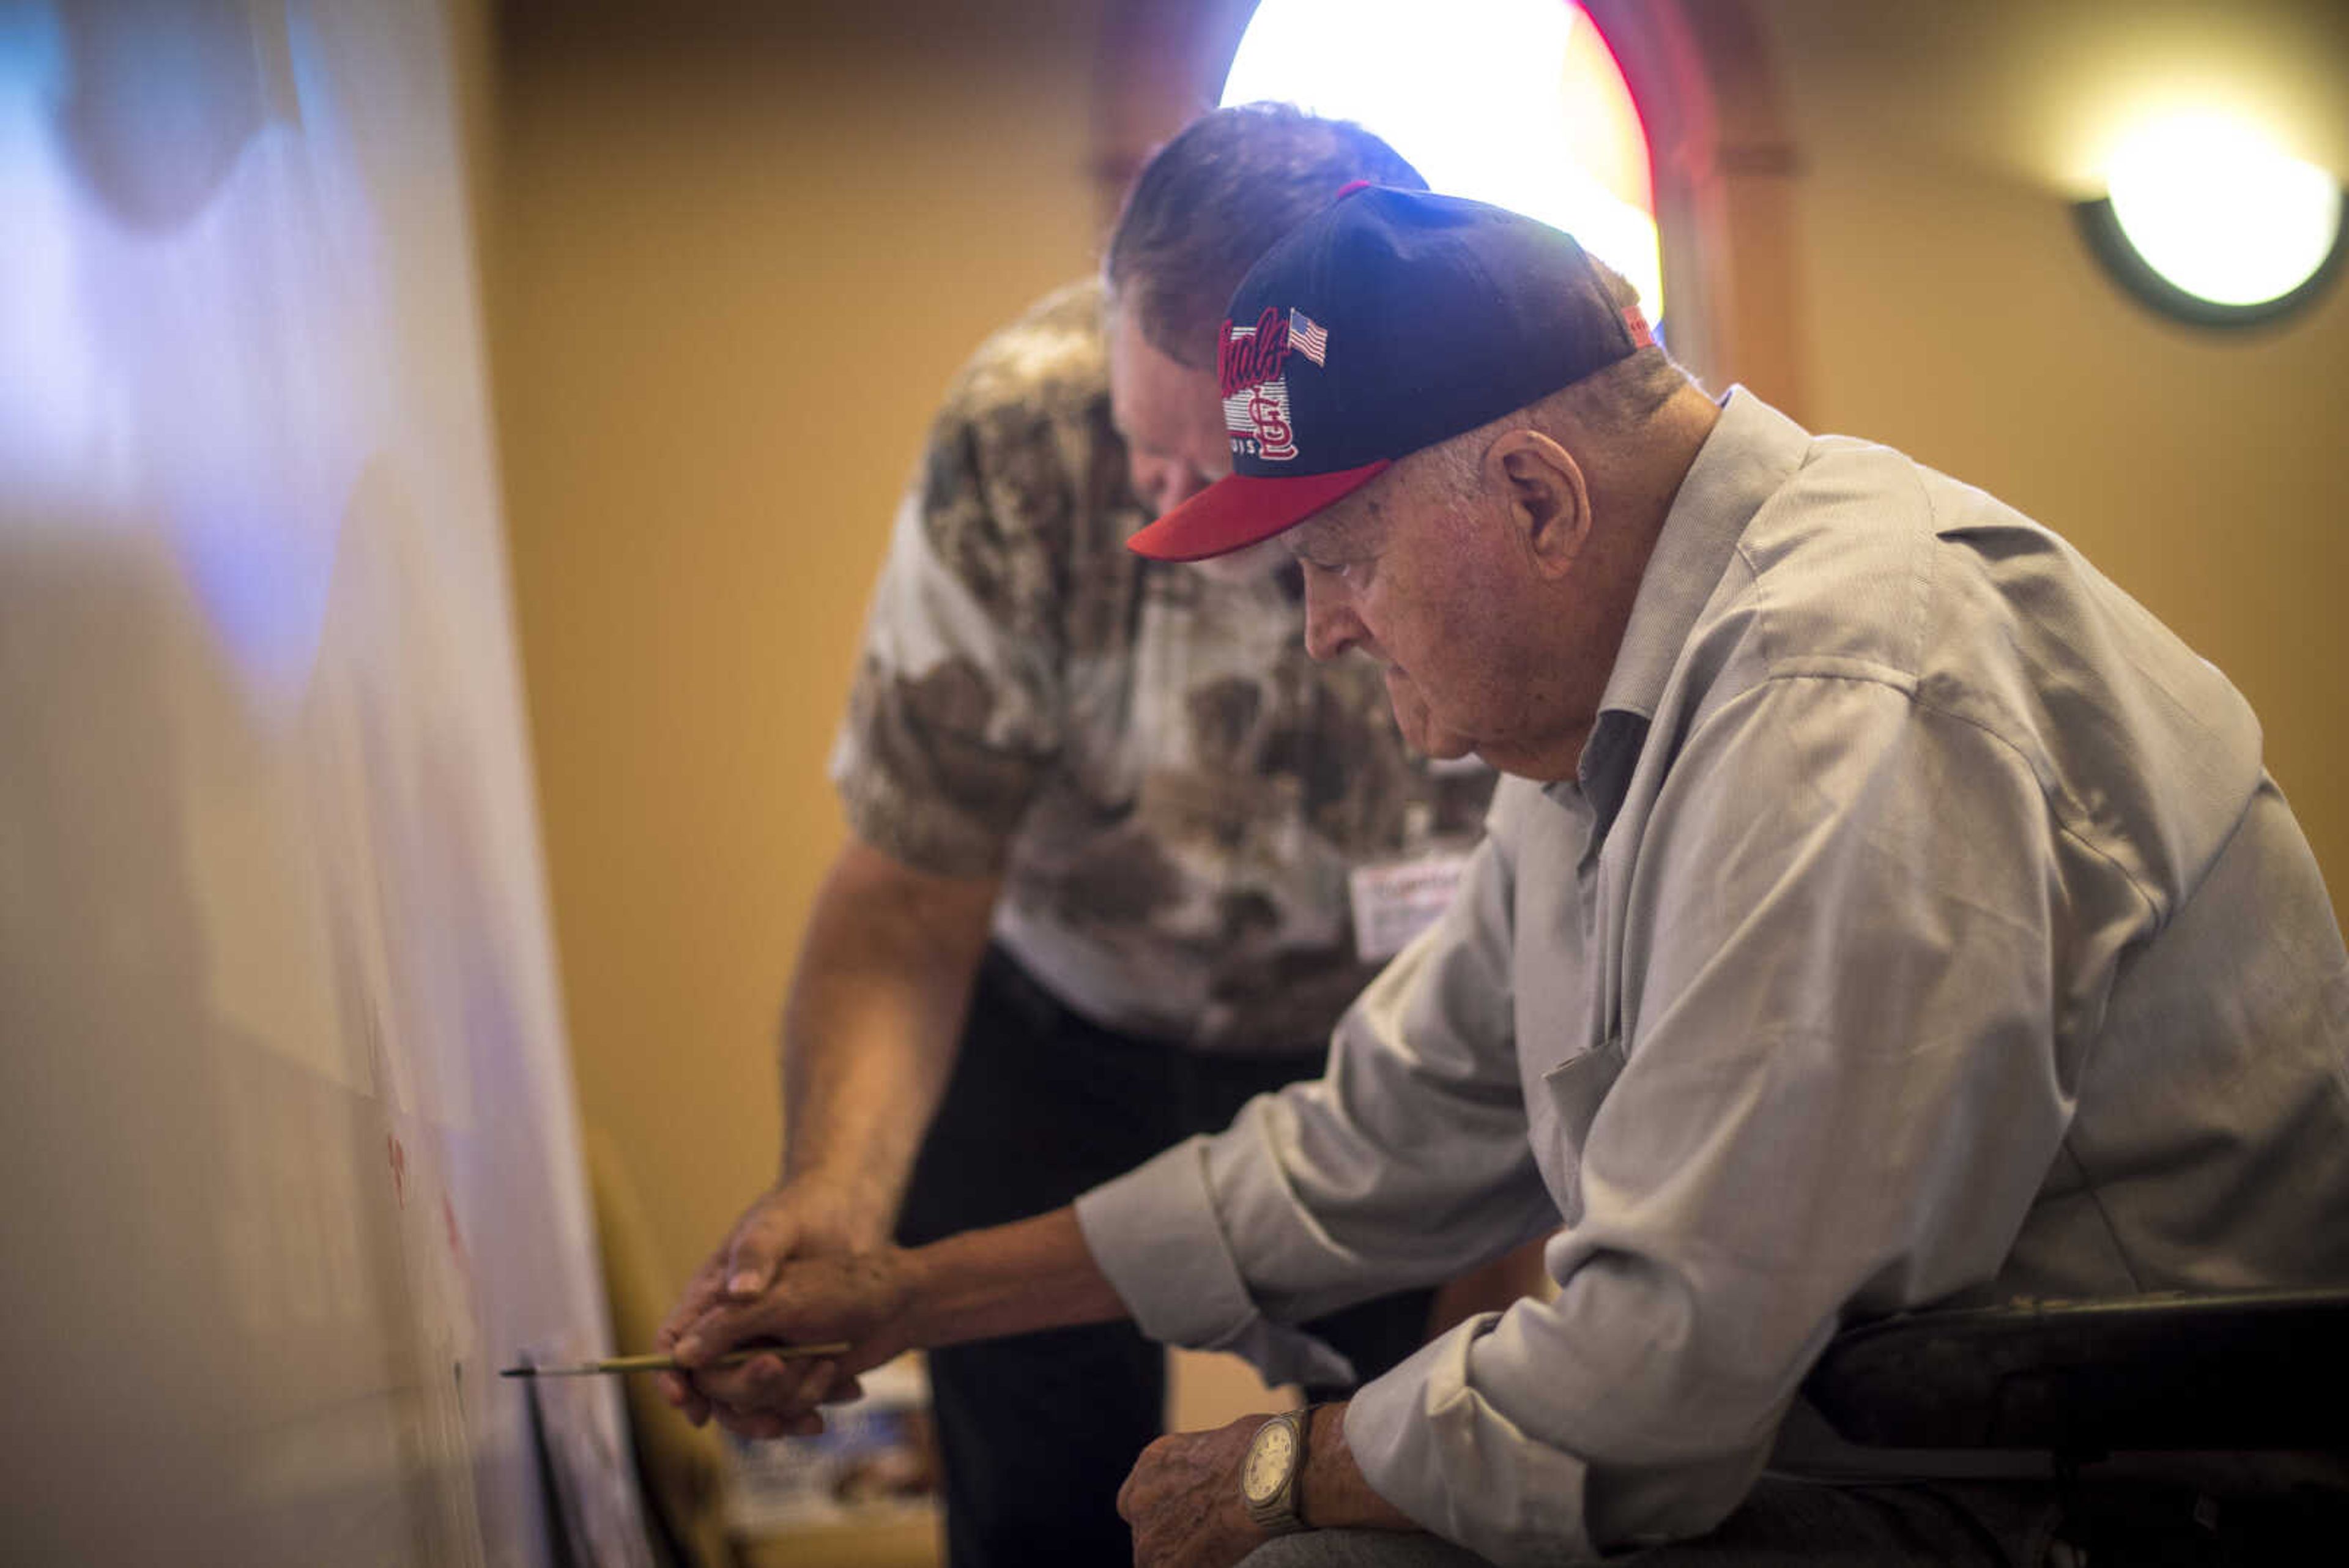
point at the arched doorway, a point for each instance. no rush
(1722, 167)
(1515, 102)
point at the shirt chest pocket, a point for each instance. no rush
(1565, 1104)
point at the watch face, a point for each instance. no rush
(1270, 1453)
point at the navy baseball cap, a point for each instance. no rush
(1387, 322)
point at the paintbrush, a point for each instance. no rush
(668, 1362)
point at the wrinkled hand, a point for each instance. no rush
(860, 1298)
(806, 1217)
(1182, 1500)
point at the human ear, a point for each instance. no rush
(1548, 498)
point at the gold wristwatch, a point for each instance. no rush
(1271, 1470)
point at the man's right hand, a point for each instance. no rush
(859, 1299)
(1020, 1278)
(806, 1217)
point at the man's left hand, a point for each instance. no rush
(1182, 1500)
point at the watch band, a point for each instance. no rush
(1278, 1514)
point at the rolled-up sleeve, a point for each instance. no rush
(1405, 1164)
(1154, 1232)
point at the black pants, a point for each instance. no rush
(1036, 1432)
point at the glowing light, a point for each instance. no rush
(1515, 102)
(2222, 214)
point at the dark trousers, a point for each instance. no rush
(1036, 1432)
(1787, 1524)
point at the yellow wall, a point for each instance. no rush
(1955, 313)
(732, 266)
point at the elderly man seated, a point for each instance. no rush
(1881, 910)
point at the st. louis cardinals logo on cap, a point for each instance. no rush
(1250, 362)
(1446, 314)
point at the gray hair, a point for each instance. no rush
(1229, 187)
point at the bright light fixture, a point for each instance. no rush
(2208, 220)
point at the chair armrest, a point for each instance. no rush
(2241, 1371)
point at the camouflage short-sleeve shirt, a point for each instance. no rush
(1174, 791)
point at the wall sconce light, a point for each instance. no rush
(2207, 222)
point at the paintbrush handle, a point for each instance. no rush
(656, 1363)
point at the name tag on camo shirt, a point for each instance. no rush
(1397, 899)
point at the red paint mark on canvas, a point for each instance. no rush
(456, 1237)
(398, 1154)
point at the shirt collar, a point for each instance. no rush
(1750, 453)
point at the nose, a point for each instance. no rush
(1169, 484)
(1332, 627)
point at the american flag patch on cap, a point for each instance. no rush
(1307, 336)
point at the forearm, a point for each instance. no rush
(1029, 1275)
(1332, 1492)
(863, 1065)
(869, 1029)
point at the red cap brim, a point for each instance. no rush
(1240, 510)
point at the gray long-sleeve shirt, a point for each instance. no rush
(1921, 925)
